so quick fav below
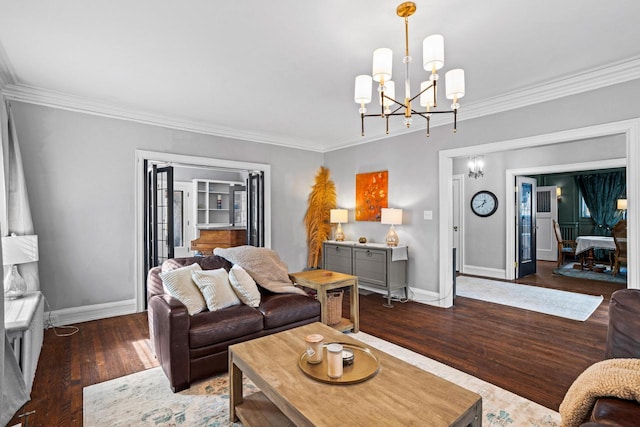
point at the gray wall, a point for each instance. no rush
(412, 162)
(80, 176)
(478, 230)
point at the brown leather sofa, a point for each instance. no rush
(195, 347)
(623, 341)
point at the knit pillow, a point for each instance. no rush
(178, 284)
(244, 286)
(215, 286)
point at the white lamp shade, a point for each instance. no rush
(391, 216)
(455, 83)
(622, 204)
(363, 89)
(382, 64)
(340, 216)
(426, 97)
(390, 91)
(19, 249)
(433, 52)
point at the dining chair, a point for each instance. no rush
(565, 247)
(619, 233)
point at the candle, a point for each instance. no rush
(314, 348)
(334, 360)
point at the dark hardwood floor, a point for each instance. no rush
(534, 355)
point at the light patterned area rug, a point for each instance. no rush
(565, 304)
(145, 399)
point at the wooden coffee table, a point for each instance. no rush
(400, 394)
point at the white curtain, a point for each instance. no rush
(15, 217)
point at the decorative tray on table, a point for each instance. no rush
(365, 365)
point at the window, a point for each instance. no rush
(584, 210)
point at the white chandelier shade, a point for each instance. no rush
(454, 84)
(426, 95)
(390, 92)
(433, 52)
(363, 89)
(382, 64)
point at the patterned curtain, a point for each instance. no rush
(14, 217)
(600, 193)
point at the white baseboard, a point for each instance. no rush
(494, 273)
(69, 316)
(415, 294)
(427, 297)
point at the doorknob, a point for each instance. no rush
(455, 228)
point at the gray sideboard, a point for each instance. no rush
(376, 265)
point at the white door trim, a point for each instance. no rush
(139, 191)
(629, 128)
(461, 210)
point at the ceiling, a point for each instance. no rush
(282, 71)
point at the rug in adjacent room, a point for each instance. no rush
(569, 305)
(606, 276)
(145, 399)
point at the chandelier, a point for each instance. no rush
(432, 60)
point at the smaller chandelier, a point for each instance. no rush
(433, 60)
(476, 167)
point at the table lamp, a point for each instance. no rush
(621, 205)
(17, 250)
(339, 216)
(392, 217)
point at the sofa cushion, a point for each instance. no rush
(284, 309)
(216, 289)
(244, 286)
(179, 284)
(212, 327)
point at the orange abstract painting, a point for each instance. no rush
(371, 195)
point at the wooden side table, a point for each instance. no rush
(325, 280)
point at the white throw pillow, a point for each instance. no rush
(215, 286)
(245, 286)
(178, 284)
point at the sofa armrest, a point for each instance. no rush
(614, 411)
(170, 336)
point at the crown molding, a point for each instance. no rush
(619, 72)
(48, 98)
(616, 73)
(7, 75)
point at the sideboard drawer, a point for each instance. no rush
(370, 265)
(337, 258)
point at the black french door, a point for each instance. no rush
(526, 227)
(160, 224)
(255, 209)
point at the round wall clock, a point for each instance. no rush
(484, 203)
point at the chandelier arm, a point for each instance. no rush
(423, 91)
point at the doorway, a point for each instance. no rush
(628, 129)
(143, 159)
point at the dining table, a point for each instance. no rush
(586, 245)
